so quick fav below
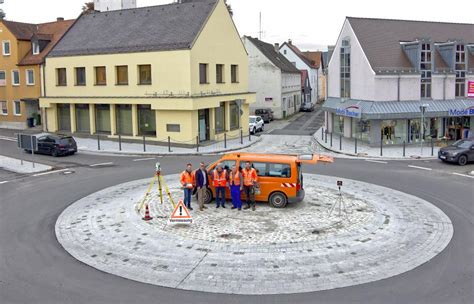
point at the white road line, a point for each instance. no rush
(103, 164)
(4, 182)
(143, 159)
(50, 172)
(421, 168)
(376, 161)
(464, 175)
(8, 138)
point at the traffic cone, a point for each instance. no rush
(147, 214)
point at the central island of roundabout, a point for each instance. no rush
(301, 248)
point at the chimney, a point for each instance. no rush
(290, 42)
(60, 19)
(277, 47)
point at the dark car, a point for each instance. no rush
(266, 114)
(461, 152)
(55, 144)
(307, 107)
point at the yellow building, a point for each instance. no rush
(23, 49)
(178, 70)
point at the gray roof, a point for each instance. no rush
(399, 109)
(268, 50)
(156, 28)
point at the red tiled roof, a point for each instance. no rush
(22, 31)
(314, 57)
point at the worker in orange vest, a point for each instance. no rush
(187, 183)
(249, 175)
(236, 186)
(220, 182)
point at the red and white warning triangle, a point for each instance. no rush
(181, 214)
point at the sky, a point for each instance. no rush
(310, 24)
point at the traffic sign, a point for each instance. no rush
(181, 215)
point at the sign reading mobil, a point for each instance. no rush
(470, 89)
(462, 112)
(350, 111)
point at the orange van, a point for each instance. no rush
(280, 176)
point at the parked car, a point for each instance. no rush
(55, 144)
(307, 107)
(256, 124)
(266, 114)
(280, 176)
(461, 152)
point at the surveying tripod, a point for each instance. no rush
(158, 177)
(340, 204)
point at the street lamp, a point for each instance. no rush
(423, 108)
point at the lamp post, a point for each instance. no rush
(423, 108)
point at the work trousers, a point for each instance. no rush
(220, 196)
(187, 197)
(235, 193)
(249, 195)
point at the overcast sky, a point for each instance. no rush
(311, 24)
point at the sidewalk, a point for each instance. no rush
(90, 145)
(364, 150)
(14, 165)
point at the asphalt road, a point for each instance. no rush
(35, 269)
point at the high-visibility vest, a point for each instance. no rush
(250, 176)
(219, 179)
(235, 178)
(187, 179)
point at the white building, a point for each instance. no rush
(382, 71)
(112, 5)
(276, 81)
(306, 61)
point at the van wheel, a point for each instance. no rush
(208, 196)
(278, 200)
(462, 161)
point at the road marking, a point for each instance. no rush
(421, 168)
(143, 159)
(50, 172)
(464, 175)
(8, 138)
(376, 161)
(103, 164)
(4, 182)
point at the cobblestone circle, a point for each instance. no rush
(300, 248)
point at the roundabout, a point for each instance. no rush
(301, 248)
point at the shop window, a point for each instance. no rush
(64, 117)
(100, 75)
(80, 76)
(220, 118)
(338, 124)
(30, 77)
(393, 131)
(144, 74)
(3, 78)
(361, 129)
(234, 115)
(61, 78)
(16, 78)
(203, 73)
(219, 73)
(414, 130)
(234, 73)
(102, 116)
(121, 75)
(3, 108)
(124, 119)
(82, 118)
(17, 108)
(146, 120)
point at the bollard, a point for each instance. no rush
(250, 136)
(169, 144)
(330, 138)
(404, 147)
(326, 136)
(340, 142)
(197, 143)
(241, 136)
(98, 142)
(120, 142)
(355, 146)
(381, 147)
(225, 140)
(322, 133)
(432, 147)
(144, 143)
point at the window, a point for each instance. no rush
(234, 73)
(272, 169)
(425, 69)
(17, 108)
(35, 47)
(175, 128)
(16, 78)
(261, 168)
(460, 68)
(100, 75)
(6, 48)
(3, 78)
(345, 69)
(61, 79)
(203, 73)
(30, 77)
(219, 73)
(144, 74)
(122, 74)
(3, 108)
(80, 76)
(284, 52)
(234, 112)
(220, 118)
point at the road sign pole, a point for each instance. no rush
(32, 151)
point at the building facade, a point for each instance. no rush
(23, 48)
(177, 71)
(275, 79)
(113, 5)
(401, 81)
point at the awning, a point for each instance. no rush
(399, 109)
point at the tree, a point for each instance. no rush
(229, 8)
(88, 7)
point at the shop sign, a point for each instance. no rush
(350, 111)
(470, 89)
(461, 112)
